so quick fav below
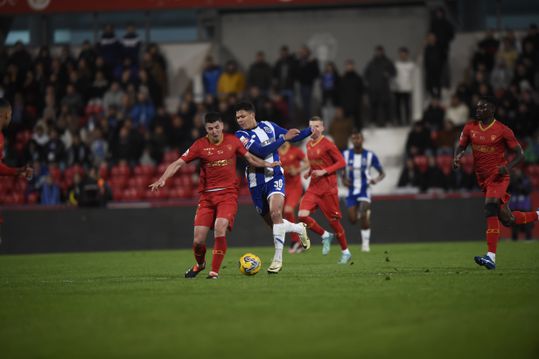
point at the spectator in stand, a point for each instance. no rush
(443, 31)
(131, 43)
(94, 191)
(99, 86)
(501, 76)
(54, 150)
(231, 81)
(99, 147)
(187, 110)
(43, 58)
(157, 143)
(88, 54)
(350, 95)
(126, 71)
(329, 83)
(434, 115)
(520, 188)
(50, 192)
(109, 47)
(113, 98)
(419, 140)
(434, 177)
(155, 65)
(340, 129)
(72, 100)
(179, 135)
(404, 86)
(378, 73)
(508, 52)
(433, 60)
(489, 44)
(143, 111)
(78, 153)
(258, 99)
(260, 74)
(210, 76)
(21, 58)
(126, 148)
(457, 112)
(409, 176)
(446, 138)
(531, 37)
(284, 75)
(307, 73)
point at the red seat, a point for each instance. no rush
(445, 163)
(104, 171)
(120, 170)
(170, 156)
(421, 163)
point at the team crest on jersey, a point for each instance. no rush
(267, 129)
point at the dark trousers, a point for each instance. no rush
(402, 107)
(379, 103)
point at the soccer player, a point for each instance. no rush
(218, 189)
(490, 139)
(357, 178)
(293, 162)
(267, 186)
(325, 160)
(5, 119)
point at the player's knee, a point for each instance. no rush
(353, 219)
(220, 228)
(492, 209)
(506, 219)
(276, 215)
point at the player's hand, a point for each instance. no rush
(373, 181)
(293, 132)
(346, 181)
(503, 170)
(293, 171)
(273, 164)
(456, 162)
(27, 172)
(319, 173)
(157, 184)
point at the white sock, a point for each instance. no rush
(492, 256)
(278, 240)
(346, 251)
(326, 234)
(365, 237)
(292, 227)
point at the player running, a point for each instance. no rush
(218, 188)
(357, 178)
(490, 139)
(293, 162)
(325, 159)
(267, 186)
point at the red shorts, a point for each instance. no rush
(328, 203)
(218, 204)
(496, 187)
(293, 195)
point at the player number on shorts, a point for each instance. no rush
(278, 184)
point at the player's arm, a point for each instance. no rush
(300, 135)
(461, 147)
(25, 171)
(258, 162)
(264, 151)
(169, 172)
(338, 163)
(515, 149)
(378, 167)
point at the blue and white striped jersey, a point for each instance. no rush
(358, 166)
(263, 141)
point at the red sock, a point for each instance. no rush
(524, 217)
(200, 253)
(339, 232)
(312, 225)
(219, 251)
(289, 216)
(493, 233)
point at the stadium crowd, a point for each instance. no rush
(95, 125)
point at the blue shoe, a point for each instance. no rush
(485, 261)
(326, 244)
(345, 258)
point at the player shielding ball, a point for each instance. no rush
(293, 162)
(357, 177)
(325, 160)
(267, 185)
(489, 140)
(218, 187)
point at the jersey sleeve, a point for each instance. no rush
(240, 149)
(510, 139)
(7, 171)
(464, 136)
(302, 134)
(376, 163)
(257, 149)
(300, 155)
(192, 152)
(336, 156)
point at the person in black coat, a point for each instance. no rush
(433, 59)
(378, 73)
(350, 93)
(307, 74)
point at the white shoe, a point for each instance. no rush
(304, 238)
(275, 267)
(365, 248)
(345, 258)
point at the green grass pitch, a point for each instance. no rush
(399, 301)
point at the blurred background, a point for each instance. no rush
(106, 93)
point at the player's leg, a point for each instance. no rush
(365, 221)
(309, 204)
(199, 250)
(509, 218)
(353, 214)
(276, 203)
(492, 210)
(329, 205)
(289, 215)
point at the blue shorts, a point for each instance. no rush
(261, 193)
(353, 200)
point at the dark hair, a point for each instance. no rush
(212, 117)
(244, 106)
(4, 104)
(355, 131)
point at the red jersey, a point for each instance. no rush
(5, 170)
(291, 159)
(324, 155)
(488, 145)
(217, 162)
